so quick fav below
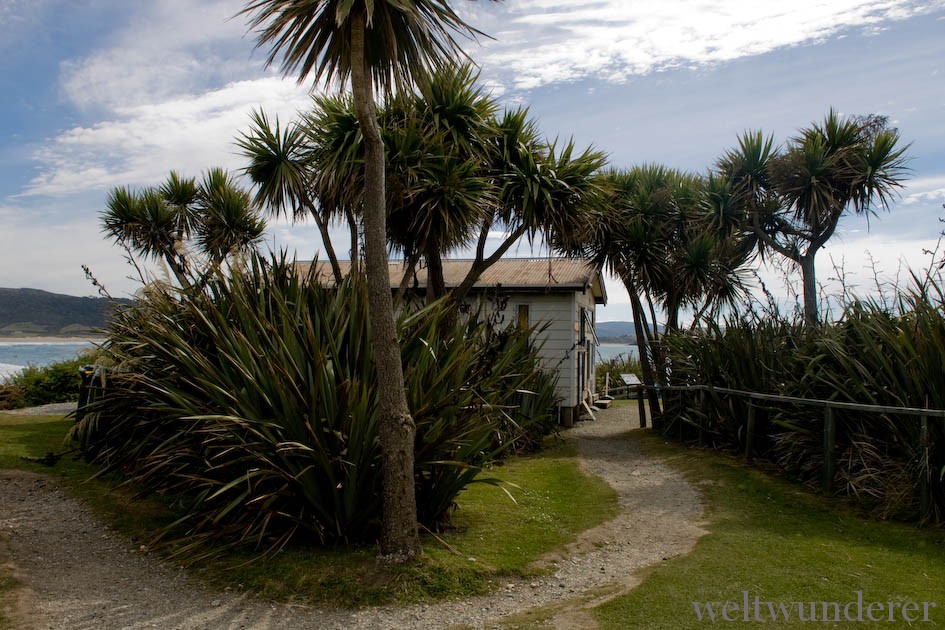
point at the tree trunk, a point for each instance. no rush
(809, 279)
(436, 285)
(480, 264)
(646, 366)
(399, 537)
(354, 255)
(326, 241)
(178, 266)
(672, 313)
(410, 272)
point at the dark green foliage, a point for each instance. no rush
(752, 355)
(621, 364)
(34, 385)
(255, 405)
(871, 356)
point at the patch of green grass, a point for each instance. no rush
(783, 544)
(552, 502)
(30, 436)
(23, 436)
(491, 536)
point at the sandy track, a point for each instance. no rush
(77, 574)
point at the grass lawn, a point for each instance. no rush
(491, 537)
(781, 543)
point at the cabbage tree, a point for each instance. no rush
(379, 45)
(792, 199)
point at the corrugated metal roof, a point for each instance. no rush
(548, 274)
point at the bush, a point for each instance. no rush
(621, 364)
(255, 405)
(870, 356)
(54, 383)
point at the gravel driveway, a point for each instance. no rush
(77, 574)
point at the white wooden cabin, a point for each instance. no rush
(560, 292)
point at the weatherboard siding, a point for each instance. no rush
(558, 314)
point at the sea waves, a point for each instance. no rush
(7, 370)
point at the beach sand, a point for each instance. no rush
(49, 339)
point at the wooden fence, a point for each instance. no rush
(830, 426)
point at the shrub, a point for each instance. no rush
(870, 356)
(621, 364)
(254, 404)
(54, 383)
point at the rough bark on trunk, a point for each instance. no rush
(642, 349)
(326, 241)
(809, 279)
(436, 286)
(399, 537)
(353, 230)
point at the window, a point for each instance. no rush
(523, 315)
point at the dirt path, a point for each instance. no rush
(77, 574)
(52, 409)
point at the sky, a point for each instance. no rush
(104, 93)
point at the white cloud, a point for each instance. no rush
(177, 81)
(537, 42)
(141, 143)
(49, 257)
(169, 48)
(856, 265)
(924, 190)
(171, 89)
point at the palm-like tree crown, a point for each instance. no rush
(402, 40)
(279, 165)
(437, 143)
(792, 199)
(156, 222)
(228, 221)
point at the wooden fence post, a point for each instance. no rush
(702, 416)
(641, 405)
(750, 432)
(925, 495)
(667, 395)
(830, 440)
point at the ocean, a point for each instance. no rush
(607, 351)
(15, 355)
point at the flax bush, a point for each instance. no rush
(253, 404)
(871, 355)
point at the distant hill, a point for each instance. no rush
(26, 312)
(613, 332)
(609, 331)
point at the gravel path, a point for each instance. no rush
(52, 409)
(77, 574)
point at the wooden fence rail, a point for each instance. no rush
(830, 427)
